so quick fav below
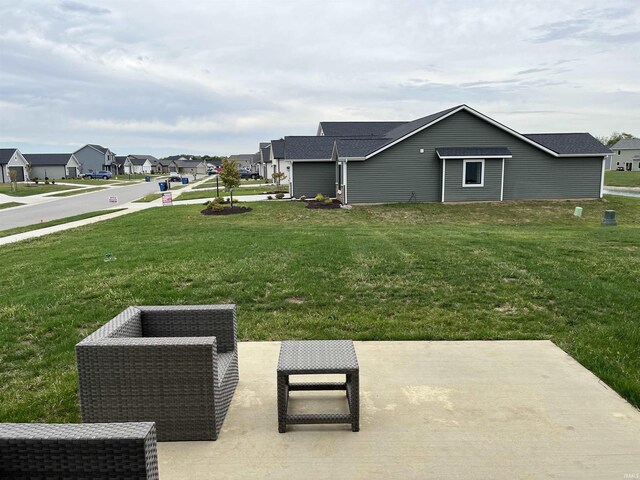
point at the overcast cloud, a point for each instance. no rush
(217, 77)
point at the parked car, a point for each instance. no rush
(100, 174)
(620, 169)
(245, 173)
(175, 177)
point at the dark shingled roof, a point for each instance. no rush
(266, 154)
(358, 147)
(47, 158)
(473, 152)
(627, 143)
(278, 148)
(569, 143)
(184, 163)
(6, 154)
(309, 148)
(98, 147)
(358, 129)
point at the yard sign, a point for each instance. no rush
(167, 199)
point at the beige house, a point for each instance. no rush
(626, 155)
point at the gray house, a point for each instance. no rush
(191, 166)
(626, 154)
(53, 165)
(456, 155)
(94, 158)
(12, 160)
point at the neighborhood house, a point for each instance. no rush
(12, 160)
(626, 155)
(456, 155)
(53, 165)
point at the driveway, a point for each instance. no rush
(47, 208)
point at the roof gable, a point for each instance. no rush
(6, 154)
(277, 147)
(405, 131)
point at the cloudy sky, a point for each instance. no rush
(209, 76)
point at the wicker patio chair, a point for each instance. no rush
(75, 451)
(175, 366)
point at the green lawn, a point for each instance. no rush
(51, 223)
(526, 270)
(77, 192)
(622, 179)
(24, 190)
(236, 192)
(90, 181)
(10, 204)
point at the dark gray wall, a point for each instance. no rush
(90, 159)
(394, 174)
(455, 192)
(311, 178)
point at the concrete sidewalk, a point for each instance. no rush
(446, 410)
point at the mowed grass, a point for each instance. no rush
(60, 221)
(193, 194)
(26, 189)
(622, 179)
(77, 192)
(526, 270)
(10, 205)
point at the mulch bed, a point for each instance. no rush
(227, 211)
(322, 205)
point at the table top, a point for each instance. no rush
(317, 356)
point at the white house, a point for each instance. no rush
(12, 160)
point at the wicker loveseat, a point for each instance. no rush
(175, 366)
(78, 451)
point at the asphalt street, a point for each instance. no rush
(54, 208)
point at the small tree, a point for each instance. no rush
(12, 177)
(278, 177)
(230, 174)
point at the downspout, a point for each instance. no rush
(602, 178)
(346, 198)
(444, 164)
(502, 182)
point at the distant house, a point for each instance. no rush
(166, 165)
(626, 154)
(279, 163)
(118, 166)
(12, 160)
(456, 155)
(141, 164)
(53, 165)
(94, 158)
(191, 166)
(244, 160)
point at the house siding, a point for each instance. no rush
(90, 159)
(311, 178)
(54, 172)
(455, 192)
(401, 172)
(626, 156)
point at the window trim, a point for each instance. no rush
(464, 172)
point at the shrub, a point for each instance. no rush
(269, 197)
(320, 197)
(53, 182)
(217, 207)
(35, 180)
(279, 196)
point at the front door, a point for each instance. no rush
(19, 173)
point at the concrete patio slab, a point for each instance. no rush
(507, 409)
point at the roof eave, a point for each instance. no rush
(462, 157)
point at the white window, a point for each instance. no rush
(473, 173)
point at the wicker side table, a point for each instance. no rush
(318, 357)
